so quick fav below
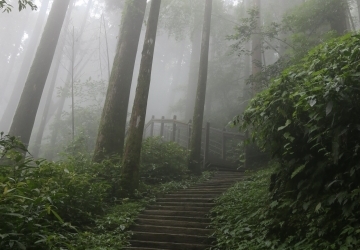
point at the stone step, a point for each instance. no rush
(185, 204)
(179, 220)
(200, 191)
(175, 221)
(141, 248)
(176, 213)
(189, 200)
(172, 230)
(168, 245)
(176, 238)
(201, 219)
(190, 195)
(179, 208)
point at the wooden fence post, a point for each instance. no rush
(178, 136)
(152, 126)
(162, 127)
(206, 144)
(223, 145)
(173, 136)
(189, 134)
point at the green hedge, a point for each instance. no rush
(309, 120)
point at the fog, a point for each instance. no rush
(85, 53)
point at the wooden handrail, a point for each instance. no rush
(180, 132)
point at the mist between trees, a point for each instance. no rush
(80, 79)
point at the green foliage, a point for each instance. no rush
(73, 204)
(22, 5)
(89, 97)
(162, 162)
(238, 217)
(308, 120)
(301, 28)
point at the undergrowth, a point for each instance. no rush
(72, 204)
(238, 217)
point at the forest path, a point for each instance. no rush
(179, 220)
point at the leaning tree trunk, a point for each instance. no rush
(111, 135)
(24, 69)
(131, 161)
(25, 114)
(52, 81)
(60, 48)
(195, 144)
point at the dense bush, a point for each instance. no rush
(238, 217)
(309, 120)
(73, 204)
(162, 161)
(40, 199)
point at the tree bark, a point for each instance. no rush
(25, 114)
(338, 22)
(195, 145)
(52, 82)
(131, 159)
(358, 6)
(256, 48)
(24, 69)
(193, 73)
(111, 135)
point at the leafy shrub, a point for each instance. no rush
(162, 161)
(40, 199)
(238, 217)
(309, 121)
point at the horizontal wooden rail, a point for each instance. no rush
(215, 142)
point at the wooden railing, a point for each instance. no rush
(218, 145)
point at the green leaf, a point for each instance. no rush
(57, 216)
(288, 122)
(297, 171)
(318, 207)
(20, 245)
(312, 102)
(329, 107)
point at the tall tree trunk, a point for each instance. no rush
(338, 22)
(25, 114)
(60, 108)
(176, 76)
(111, 135)
(60, 48)
(194, 72)
(52, 81)
(195, 144)
(256, 47)
(131, 161)
(358, 6)
(24, 69)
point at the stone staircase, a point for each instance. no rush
(179, 220)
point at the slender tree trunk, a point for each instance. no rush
(111, 135)
(195, 144)
(52, 82)
(339, 21)
(131, 160)
(176, 75)
(193, 73)
(24, 69)
(59, 111)
(358, 6)
(256, 48)
(25, 114)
